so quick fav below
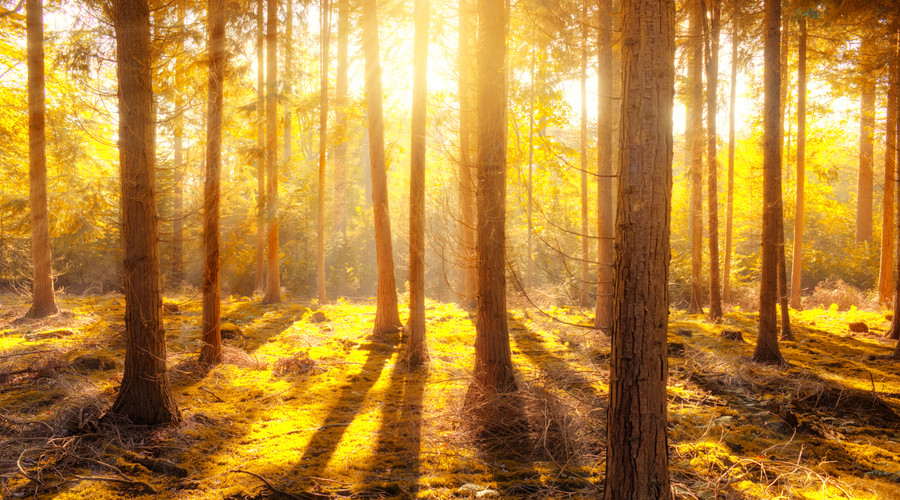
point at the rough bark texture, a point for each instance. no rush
(894, 331)
(273, 278)
(605, 207)
(585, 222)
(325, 15)
(415, 353)
(712, 187)
(781, 266)
(211, 345)
(340, 126)
(767, 340)
(259, 281)
(797, 257)
(886, 272)
(694, 141)
(493, 361)
(637, 455)
(178, 167)
(43, 302)
(729, 203)
(865, 180)
(144, 396)
(387, 315)
(466, 257)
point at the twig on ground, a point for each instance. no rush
(211, 393)
(275, 490)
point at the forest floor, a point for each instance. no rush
(312, 406)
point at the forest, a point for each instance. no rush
(304, 249)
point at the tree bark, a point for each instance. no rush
(797, 257)
(273, 278)
(637, 455)
(416, 353)
(729, 204)
(605, 206)
(178, 167)
(585, 231)
(865, 180)
(211, 344)
(340, 126)
(466, 199)
(784, 152)
(712, 188)
(325, 17)
(694, 140)
(259, 281)
(387, 315)
(144, 396)
(767, 350)
(43, 301)
(493, 361)
(529, 209)
(886, 272)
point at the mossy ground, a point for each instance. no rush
(326, 409)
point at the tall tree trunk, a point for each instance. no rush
(43, 302)
(273, 278)
(387, 315)
(178, 167)
(211, 345)
(637, 455)
(144, 396)
(340, 126)
(325, 24)
(865, 181)
(605, 206)
(784, 152)
(585, 232)
(694, 141)
(886, 273)
(260, 163)
(415, 353)
(493, 361)
(466, 200)
(894, 331)
(712, 159)
(729, 204)
(529, 252)
(288, 79)
(797, 257)
(767, 341)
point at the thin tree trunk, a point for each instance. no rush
(729, 204)
(797, 257)
(585, 232)
(325, 14)
(894, 331)
(694, 140)
(637, 454)
(605, 206)
(340, 126)
(260, 158)
(273, 281)
(43, 302)
(767, 350)
(865, 181)
(886, 272)
(387, 315)
(784, 153)
(494, 371)
(288, 79)
(712, 188)
(416, 353)
(466, 199)
(529, 257)
(144, 396)
(178, 202)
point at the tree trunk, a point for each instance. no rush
(387, 315)
(784, 152)
(585, 231)
(211, 345)
(767, 341)
(529, 252)
(340, 126)
(273, 281)
(325, 15)
(468, 276)
(260, 163)
(797, 257)
(865, 181)
(712, 188)
(729, 204)
(894, 331)
(416, 353)
(144, 396)
(886, 272)
(605, 207)
(694, 141)
(493, 361)
(43, 302)
(178, 167)
(637, 455)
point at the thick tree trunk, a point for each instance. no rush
(694, 141)
(605, 206)
(43, 302)
(886, 272)
(259, 281)
(712, 188)
(211, 345)
(797, 257)
(865, 180)
(387, 315)
(416, 353)
(144, 396)
(637, 455)
(585, 223)
(767, 341)
(466, 201)
(178, 167)
(340, 126)
(273, 278)
(729, 204)
(493, 361)
(325, 15)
